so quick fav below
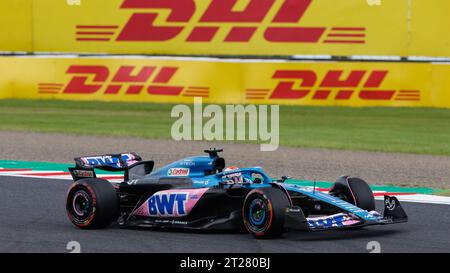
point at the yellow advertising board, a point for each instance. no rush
(170, 80)
(234, 27)
(218, 27)
(440, 83)
(16, 25)
(428, 28)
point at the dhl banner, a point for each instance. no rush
(170, 80)
(16, 26)
(228, 27)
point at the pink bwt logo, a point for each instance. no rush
(170, 203)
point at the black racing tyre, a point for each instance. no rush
(263, 212)
(92, 203)
(355, 191)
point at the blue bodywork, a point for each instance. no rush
(197, 166)
(198, 192)
(204, 172)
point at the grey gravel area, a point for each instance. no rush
(301, 163)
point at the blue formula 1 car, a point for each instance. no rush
(201, 193)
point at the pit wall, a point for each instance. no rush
(179, 80)
(218, 27)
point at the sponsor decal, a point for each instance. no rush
(83, 173)
(201, 182)
(108, 160)
(337, 220)
(167, 204)
(133, 80)
(289, 85)
(127, 80)
(178, 172)
(172, 222)
(334, 85)
(390, 204)
(187, 163)
(272, 21)
(102, 161)
(170, 203)
(295, 210)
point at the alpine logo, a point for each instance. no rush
(390, 204)
(178, 172)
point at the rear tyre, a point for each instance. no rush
(92, 203)
(263, 212)
(355, 191)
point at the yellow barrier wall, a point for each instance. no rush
(16, 25)
(255, 27)
(428, 28)
(178, 81)
(203, 27)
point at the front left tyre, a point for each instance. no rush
(264, 211)
(92, 203)
(355, 191)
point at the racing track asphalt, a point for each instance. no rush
(33, 219)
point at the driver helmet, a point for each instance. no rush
(233, 178)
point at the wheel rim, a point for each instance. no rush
(258, 214)
(81, 205)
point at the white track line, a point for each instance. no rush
(422, 198)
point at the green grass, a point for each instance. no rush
(408, 130)
(443, 193)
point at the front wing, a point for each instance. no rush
(351, 217)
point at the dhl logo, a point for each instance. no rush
(90, 79)
(311, 86)
(289, 85)
(241, 22)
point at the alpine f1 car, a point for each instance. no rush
(201, 193)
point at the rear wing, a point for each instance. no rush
(130, 163)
